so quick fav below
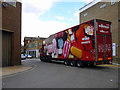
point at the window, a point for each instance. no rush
(4, 5)
(102, 6)
(27, 46)
(40, 44)
(35, 44)
(11, 2)
(30, 46)
(28, 41)
(85, 14)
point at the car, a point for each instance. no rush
(23, 56)
(28, 56)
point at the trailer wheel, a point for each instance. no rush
(46, 59)
(80, 63)
(65, 62)
(41, 58)
(49, 60)
(92, 64)
(73, 63)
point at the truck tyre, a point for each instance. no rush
(80, 63)
(49, 60)
(92, 64)
(73, 63)
(65, 62)
(46, 59)
(41, 58)
(85, 64)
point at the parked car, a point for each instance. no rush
(28, 56)
(23, 56)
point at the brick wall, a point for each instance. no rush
(119, 32)
(11, 22)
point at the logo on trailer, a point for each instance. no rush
(104, 31)
(104, 26)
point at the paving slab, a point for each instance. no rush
(13, 69)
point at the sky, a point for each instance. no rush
(45, 17)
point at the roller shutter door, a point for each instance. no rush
(6, 48)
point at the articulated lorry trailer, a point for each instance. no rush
(89, 43)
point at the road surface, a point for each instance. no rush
(57, 75)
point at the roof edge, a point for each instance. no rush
(19, 1)
(11, 1)
(88, 5)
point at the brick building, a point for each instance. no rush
(11, 32)
(109, 11)
(32, 45)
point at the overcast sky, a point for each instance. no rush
(45, 17)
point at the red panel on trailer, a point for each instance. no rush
(100, 47)
(104, 27)
(108, 48)
(104, 41)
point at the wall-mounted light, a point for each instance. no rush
(102, 6)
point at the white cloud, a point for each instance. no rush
(76, 14)
(33, 27)
(31, 24)
(60, 17)
(88, 1)
(37, 7)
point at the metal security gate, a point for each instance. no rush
(6, 48)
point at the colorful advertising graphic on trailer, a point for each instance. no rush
(89, 43)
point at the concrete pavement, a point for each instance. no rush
(5, 71)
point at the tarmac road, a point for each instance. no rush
(57, 75)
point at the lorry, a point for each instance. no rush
(89, 43)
